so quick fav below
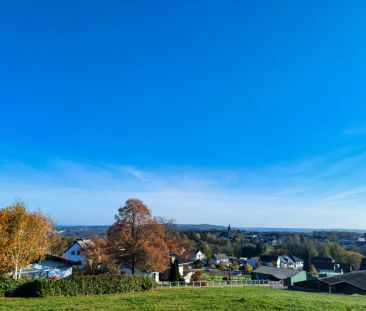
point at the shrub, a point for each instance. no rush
(197, 276)
(83, 285)
(8, 286)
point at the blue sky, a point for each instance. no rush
(219, 112)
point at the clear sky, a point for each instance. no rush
(244, 112)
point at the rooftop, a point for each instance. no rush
(278, 273)
(357, 279)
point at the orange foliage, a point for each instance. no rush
(137, 239)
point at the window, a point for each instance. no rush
(78, 252)
(72, 252)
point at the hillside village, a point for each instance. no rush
(225, 256)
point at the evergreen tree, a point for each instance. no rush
(174, 275)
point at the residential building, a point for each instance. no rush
(184, 264)
(291, 262)
(270, 260)
(50, 267)
(198, 255)
(76, 251)
(253, 262)
(217, 259)
(326, 266)
(126, 269)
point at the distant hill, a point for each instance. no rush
(200, 227)
(89, 231)
(82, 231)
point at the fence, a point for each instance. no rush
(231, 283)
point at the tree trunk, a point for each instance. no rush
(15, 273)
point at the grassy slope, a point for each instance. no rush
(248, 298)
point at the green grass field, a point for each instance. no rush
(244, 298)
(218, 277)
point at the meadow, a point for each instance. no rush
(244, 298)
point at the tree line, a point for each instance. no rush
(136, 239)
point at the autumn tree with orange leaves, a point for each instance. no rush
(137, 239)
(24, 237)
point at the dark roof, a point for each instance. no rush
(323, 265)
(220, 256)
(60, 259)
(363, 264)
(357, 279)
(278, 273)
(268, 258)
(346, 267)
(181, 260)
(296, 259)
(322, 259)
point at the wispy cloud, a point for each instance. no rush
(327, 191)
(355, 131)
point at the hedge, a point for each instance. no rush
(81, 285)
(9, 285)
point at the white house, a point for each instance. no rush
(76, 252)
(298, 262)
(198, 256)
(284, 261)
(219, 258)
(127, 270)
(50, 267)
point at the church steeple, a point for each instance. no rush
(229, 233)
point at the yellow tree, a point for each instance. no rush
(313, 271)
(24, 237)
(248, 268)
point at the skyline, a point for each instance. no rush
(251, 114)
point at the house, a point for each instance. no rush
(198, 255)
(184, 264)
(287, 276)
(76, 252)
(219, 258)
(126, 269)
(326, 266)
(348, 283)
(291, 262)
(50, 267)
(271, 241)
(270, 260)
(253, 262)
(298, 262)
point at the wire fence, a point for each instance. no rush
(231, 283)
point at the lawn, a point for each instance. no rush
(244, 298)
(218, 276)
